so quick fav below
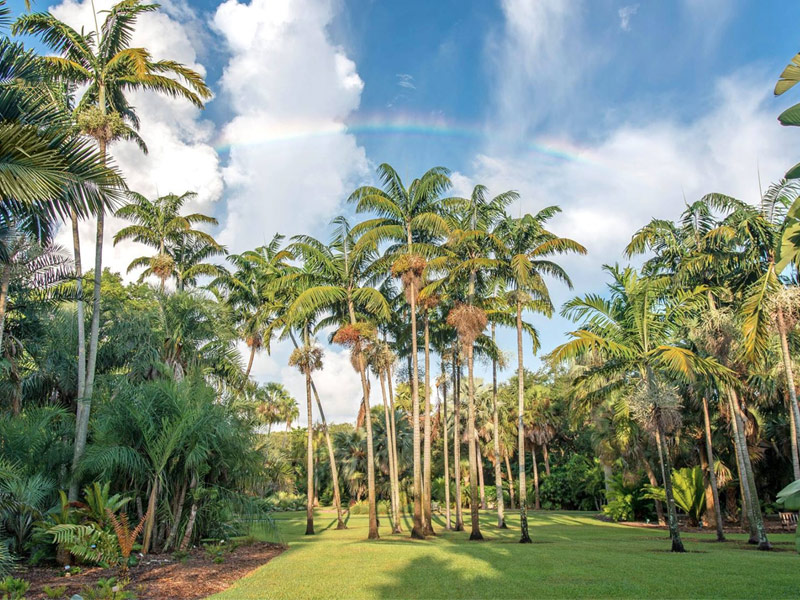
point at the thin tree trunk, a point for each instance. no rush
(76, 243)
(426, 472)
(712, 476)
(510, 474)
(457, 441)
(795, 450)
(309, 458)
(151, 516)
(187, 535)
(755, 508)
(373, 508)
(397, 526)
(651, 476)
(546, 454)
(4, 281)
(481, 482)
(418, 528)
(390, 446)
(446, 453)
(472, 440)
(498, 475)
(666, 475)
(744, 489)
(250, 362)
(787, 365)
(523, 509)
(537, 505)
(178, 512)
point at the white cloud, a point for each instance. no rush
(405, 80)
(181, 156)
(625, 14)
(291, 88)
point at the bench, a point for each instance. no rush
(788, 520)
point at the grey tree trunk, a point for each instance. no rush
(498, 475)
(457, 442)
(446, 453)
(397, 525)
(523, 509)
(390, 444)
(510, 474)
(712, 476)
(76, 243)
(187, 535)
(309, 458)
(481, 482)
(537, 505)
(5, 279)
(795, 450)
(651, 476)
(418, 527)
(666, 474)
(426, 471)
(173, 531)
(472, 440)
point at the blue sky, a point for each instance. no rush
(615, 110)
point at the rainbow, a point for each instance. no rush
(405, 125)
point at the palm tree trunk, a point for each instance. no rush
(651, 476)
(426, 471)
(795, 450)
(787, 366)
(250, 362)
(510, 474)
(446, 453)
(546, 454)
(390, 446)
(4, 281)
(472, 440)
(481, 482)
(309, 459)
(389, 379)
(712, 476)
(666, 475)
(755, 506)
(457, 439)
(76, 242)
(373, 507)
(151, 515)
(523, 509)
(187, 535)
(744, 489)
(178, 512)
(536, 503)
(418, 527)
(498, 474)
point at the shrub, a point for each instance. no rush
(627, 500)
(13, 588)
(55, 592)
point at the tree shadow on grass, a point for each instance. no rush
(430, 577)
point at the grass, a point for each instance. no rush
(573, 556)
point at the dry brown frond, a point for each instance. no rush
(125, 537)
(469, 321)
(355, 335)
(162, 265)
(307, 359)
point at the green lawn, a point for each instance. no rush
(573, 555)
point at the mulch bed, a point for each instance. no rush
(160, 577)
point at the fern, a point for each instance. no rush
(88, 543)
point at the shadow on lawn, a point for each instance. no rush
(428, 577)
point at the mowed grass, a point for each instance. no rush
(573, 556)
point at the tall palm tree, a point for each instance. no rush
(307, 359)
(104, 62)
(635, 332)
(159, 224)
(409, 218)
(471, 248)
(340, 286)
(524, 259)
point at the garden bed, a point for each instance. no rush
(162, 576)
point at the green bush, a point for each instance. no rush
(575, 485)
(628, 500)
(13, 588)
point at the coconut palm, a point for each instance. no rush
(104, 62)
(159, 225)
(635, 334)
(409, 218)
(340, 286)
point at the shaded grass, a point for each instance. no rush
(573, 556)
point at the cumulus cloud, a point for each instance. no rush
(291, 88)
(181, 156)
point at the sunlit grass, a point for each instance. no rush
(574, 555)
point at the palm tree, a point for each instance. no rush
(525, 251)
(104, 62)
(410, 218)
(159, 225)
(634, 332)
(307, 359)
(340, 286)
